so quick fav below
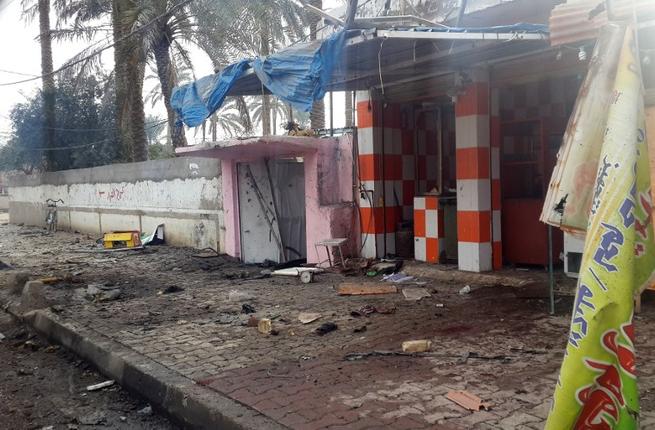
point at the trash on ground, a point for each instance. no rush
(102, 293)
(326, 328)
(386, 267)
(122, 239)
(364, 311)
(265, 326)
(247, 309)
(465, 290)
(355, 356)
(155, 238)
(360, 289)
(468, 401)
(50, 280)
(308, 317)
(398, 278)
(439, 305)
(415, 294)
(361, 329)
(92, 419)
(2, 337)
(145, 411)
(422, 345)
(100, 386)
(171, 289)
(296, 271)
(239, 296)
(4, 266)
(206, 253)
(253, 321)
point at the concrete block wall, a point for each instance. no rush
(184, 194)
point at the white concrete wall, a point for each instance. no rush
(184, 194)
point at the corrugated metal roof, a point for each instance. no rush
(579, 20)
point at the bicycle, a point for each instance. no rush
(51, 214)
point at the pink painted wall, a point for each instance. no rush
(329, 209)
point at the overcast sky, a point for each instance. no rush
(20, 55)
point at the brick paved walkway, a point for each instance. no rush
(301, 379)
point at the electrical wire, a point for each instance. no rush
(98, 51)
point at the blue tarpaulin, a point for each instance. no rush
(298, 75)
(196, 101)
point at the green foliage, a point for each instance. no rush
(85, 131)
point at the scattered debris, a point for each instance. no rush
(247, 309)
(2, 337)
(239, 296)
(398, 278)
(465, 290)
(145, 411)
(422, 345)
(361, 329)
(468, 401)
(364, 311)
(102, 293)
(253, 321)
(439, 305)
(415, 294)
(4, 266)
(355, 356)
(171, 289)
(25, 372)
(100, 386)
(50, 280)
(93, 419)
(326, 328)
(306, 274)
(308, 317)
(358, 289)
(385, 267)
(265, 326)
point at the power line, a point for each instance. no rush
(82, 130)
(98, 51)
(18, 73)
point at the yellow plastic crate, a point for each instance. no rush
(127, 239)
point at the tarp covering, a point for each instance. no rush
(597, 386)
(196, 101)
(298, 75)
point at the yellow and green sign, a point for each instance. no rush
(597, 385)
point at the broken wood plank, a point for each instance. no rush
(358, 289)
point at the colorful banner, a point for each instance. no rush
(597, 386)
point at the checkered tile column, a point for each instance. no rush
(473, 176)
(429, 232)
(370, 175)
(496, 242)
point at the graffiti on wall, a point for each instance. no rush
(114, 194)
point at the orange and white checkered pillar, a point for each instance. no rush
(371, 203)
(429, 234)
(473, 172)
(496, 241)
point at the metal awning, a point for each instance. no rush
(375, 58)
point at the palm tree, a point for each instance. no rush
(45, 40)
(317, 115)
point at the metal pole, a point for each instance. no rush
(331, 115)
(551, 276)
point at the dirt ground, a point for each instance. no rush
(187, 313)
(44, 386)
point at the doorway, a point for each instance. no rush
(272, 210)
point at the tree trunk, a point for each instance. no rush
(129, 70)
(266, 98)
(167, 81)
(45, 39)
(137, 110)
(317, 115)
(349, 108)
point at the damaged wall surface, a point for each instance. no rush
(184, 194)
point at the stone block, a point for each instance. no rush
(33, 296)
(16, 281)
